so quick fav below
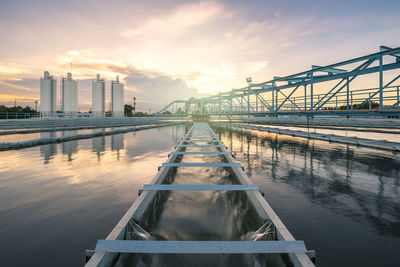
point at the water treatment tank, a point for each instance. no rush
(98, 97)
(117, 98)
(48, 94)
(69, 91)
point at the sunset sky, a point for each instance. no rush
(165, 50)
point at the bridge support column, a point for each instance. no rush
(273, 99)
(381, 82)
(312, 93)
(348, 93)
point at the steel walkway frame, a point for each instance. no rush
(114, 243)
(296, 94)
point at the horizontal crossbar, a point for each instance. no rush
(343, 137)
(200, 164)
(201, 145)
(372, 141)
(200, 137)
(200, 153)
(199, 187)
(200, 247)
(197, 140)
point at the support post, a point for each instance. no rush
(312, 92)
(351, 100)
(220, 103)
(348, 92)
(398, 99)
(305, 97)
(248, 100)
(273, 99)
(256, 103)
(336, 104)
(369, 101)
(381, 82)
(230, 103)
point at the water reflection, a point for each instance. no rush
(98, 143)
(52, 199)
(360, 182)
(71, 147)
(48, 151)
(197, 216)
(339, 182)
(117, 143)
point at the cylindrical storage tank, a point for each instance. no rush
(117, 98)
(98, 97)
(69, 88)
(48, 94)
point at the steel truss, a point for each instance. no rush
(297, 94)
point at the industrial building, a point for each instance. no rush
(117, 98)
(48, 94)
(69, 91)
(98, 97)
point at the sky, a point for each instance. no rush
(166, 50)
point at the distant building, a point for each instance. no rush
(117, 98)
(98, 97)
(69, 91)
(48, 94)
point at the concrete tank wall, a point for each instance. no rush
(117, 98)
(48, 94)
(98, 97)
(69, 89)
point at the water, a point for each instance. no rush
(391, 137)
(29, 136)
(57, 200)
(202, 216)
(343, 201)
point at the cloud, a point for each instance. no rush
(175, 49)
(152, 89)
(182, 19)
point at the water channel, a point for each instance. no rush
(57, 200)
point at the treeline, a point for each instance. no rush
(18, 109)
(363, 106)
(129, 112)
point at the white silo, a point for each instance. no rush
(48, 94)
(69, 91)
(117, 98)
(98, 97)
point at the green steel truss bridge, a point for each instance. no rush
(322, 90)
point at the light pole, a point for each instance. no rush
(134, 104)
(248, 80)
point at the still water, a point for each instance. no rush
(57, 200)
(343, 201)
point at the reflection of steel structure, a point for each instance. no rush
(297, 158)
(319, 91)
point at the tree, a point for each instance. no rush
(17, 109)
(128, 110)
(363, 106)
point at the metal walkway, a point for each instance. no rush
(106, 250)
(321, 90)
